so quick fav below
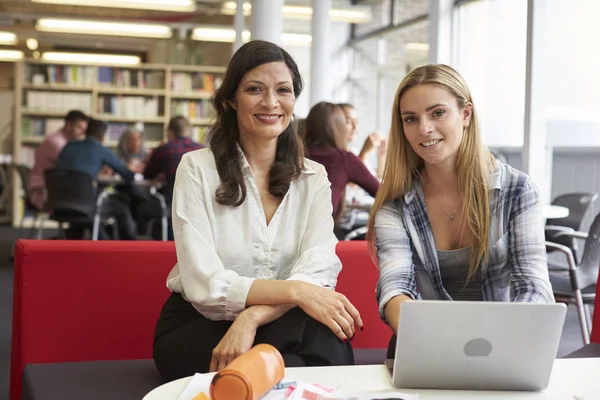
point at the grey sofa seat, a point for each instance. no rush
(90, 380)
(591, 350)
(114, 380)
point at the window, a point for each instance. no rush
(491, 51)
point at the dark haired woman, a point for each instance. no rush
(326, 129)
(256, 258)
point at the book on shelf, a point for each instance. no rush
(131, 78)
(78, 75)
(40, 127)
(128, 106)
(27, 156)
(199, 134)
(192, 108)
(187, 82)
(44, 101)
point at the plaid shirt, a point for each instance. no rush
(517, 268)
(165, 159)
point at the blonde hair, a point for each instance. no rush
(474, 163)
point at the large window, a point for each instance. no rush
(491, 51)
(380, 63)
(572, 62)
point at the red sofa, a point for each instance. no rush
(84, 300)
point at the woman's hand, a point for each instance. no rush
(238, 340)
(330, 308)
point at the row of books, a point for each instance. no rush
(129, 106)
(192, 109)
(195, 82)
(126, 78)
(77, 75)
(58, 102)
(37, 127)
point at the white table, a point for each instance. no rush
(555, 212)
(571, 379)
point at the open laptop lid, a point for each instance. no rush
(476, 345)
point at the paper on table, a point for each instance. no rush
(306, 391)
(198, 383)
(201, 383)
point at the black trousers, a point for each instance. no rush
(184, 340)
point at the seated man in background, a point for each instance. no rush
(89, 156)
(164, 160)
(47, 153)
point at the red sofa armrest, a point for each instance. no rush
(83, 300)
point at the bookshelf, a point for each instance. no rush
(145, 95)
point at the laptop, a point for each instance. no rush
(474, 345)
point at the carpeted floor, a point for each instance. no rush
(571, 338)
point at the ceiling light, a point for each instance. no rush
(32, 44)
(103, 28)
(228, 35)
(10, 55)
(416, 46)
(8, 38)
(356, 14)
(170, 5)
(91, 58)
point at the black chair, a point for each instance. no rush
(575, 282)
(578, 204)
(357, 234)
(71, 199)
(28, 207)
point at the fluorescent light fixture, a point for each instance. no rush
(293, 39)
(85, 58)
(228, 36)
(11, 55)
(8, 38)
(103, 28)
(356, 14)
(416, 46)
(163, 5)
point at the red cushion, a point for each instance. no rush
(84, 300)
(358, 281)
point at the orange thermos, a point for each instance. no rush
(249, 376)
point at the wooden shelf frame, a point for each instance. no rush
(165, 95)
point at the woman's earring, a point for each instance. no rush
(293, 117)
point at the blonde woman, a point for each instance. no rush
(449, 221)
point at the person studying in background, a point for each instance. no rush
(89, 156)
(256, 258)
(163, 163)
(375, 141)
(131, 150)
(449, 221)
(325, 131)
(166, 157)
(47, 153)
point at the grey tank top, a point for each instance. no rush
(454, 268)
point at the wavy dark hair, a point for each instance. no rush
(325, 126)
(225, 133)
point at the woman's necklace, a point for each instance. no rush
(451, 215)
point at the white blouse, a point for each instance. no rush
(222, 249)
